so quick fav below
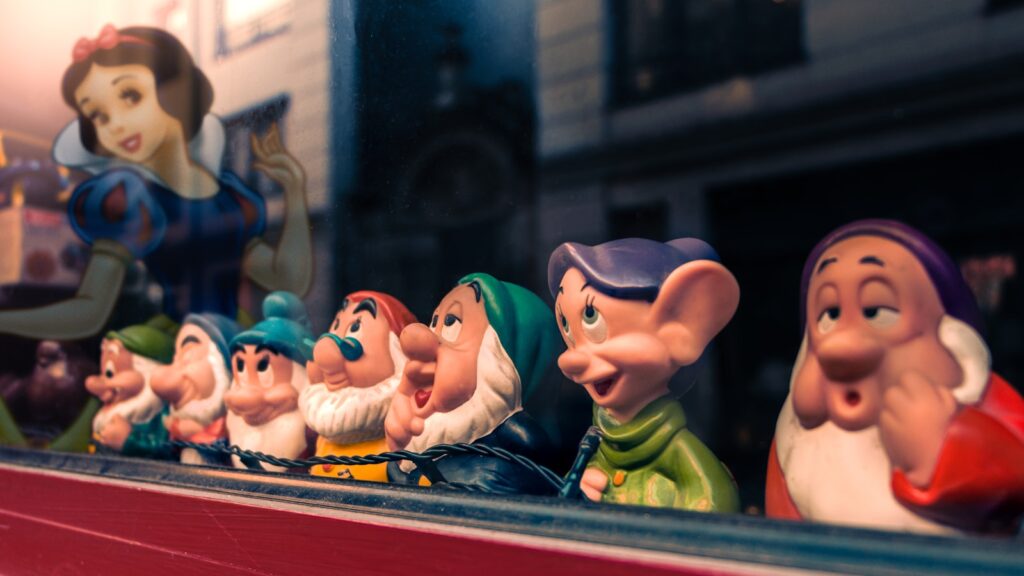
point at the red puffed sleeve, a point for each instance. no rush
(978, 482)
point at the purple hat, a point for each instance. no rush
(945, 275)
(629, 268)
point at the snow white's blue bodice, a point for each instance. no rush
(193, 248)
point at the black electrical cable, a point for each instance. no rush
(567, 487)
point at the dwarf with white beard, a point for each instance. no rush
(353, 375)
(468, 374)
(894, 418)
(193, 385)
(268, 363)
(129, 421)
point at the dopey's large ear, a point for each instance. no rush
(694, 303)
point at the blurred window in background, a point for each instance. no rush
(243, 23)
(663, 47)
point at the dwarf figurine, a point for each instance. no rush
(894, 418)
(268, 363)
(633, 313)
(485, 351)
(193, 385)
(355, 370)
(129, 422)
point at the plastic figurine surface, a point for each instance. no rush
(158, 193)
(354, 373)
(193, 385)
(894, 418)
(130, 421)
(468, 374)
(268, 363)
(634, 312)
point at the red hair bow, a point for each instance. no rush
(107, 39)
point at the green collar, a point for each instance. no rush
(643, 438)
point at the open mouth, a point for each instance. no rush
(421, 397)
(852, 398)
(132, 143)
(602, 387)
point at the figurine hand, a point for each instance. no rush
(593, 483)
(188, 428)
(115, 432)
(915, 417)
(274, 160)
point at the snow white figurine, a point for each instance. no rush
(157, 193)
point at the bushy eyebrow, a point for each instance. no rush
(266, 347)
(369, 305)
(476, 289)
(872, 260)
(189, 340)
(825, 263)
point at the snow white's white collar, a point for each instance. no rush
(206, 149)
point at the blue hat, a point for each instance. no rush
(285, 328)
(220, 329)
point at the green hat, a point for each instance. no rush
(525, 327)
(285, 328)
(153, 340)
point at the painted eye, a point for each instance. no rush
(263, 364)
(827, 319)
(239, 366)
(452, 328)
(131, 95)
(881, 316)
(354, 328)
(594, 326)
(433, 321)
(563, 323)
(337, 322)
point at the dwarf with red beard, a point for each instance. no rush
(193, 385)
(129, 422)
(486, 349)
(268, 363)
(353, 375)
(894, 418)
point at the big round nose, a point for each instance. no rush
(94, 384)
(164, 382)
(328, 356)
(573, 363)
(849, 356)
(419, 343)
(244, 399)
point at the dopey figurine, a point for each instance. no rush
(193, 385)
(484, 352)
(633, 313)
(894, 418)
(130, 420)
(268, 363)
(353, 376)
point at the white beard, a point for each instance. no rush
(138, 409)
(845, 477)
(497, 396)
(352, 415)
(284, 437)
(206, 410)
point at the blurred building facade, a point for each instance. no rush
(762, 124)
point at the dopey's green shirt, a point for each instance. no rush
(653, 460)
